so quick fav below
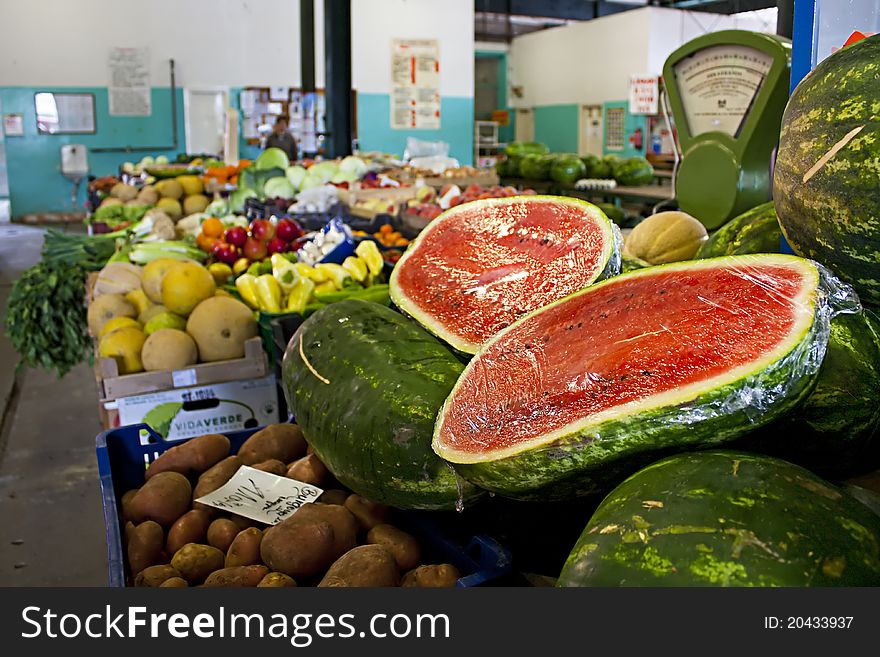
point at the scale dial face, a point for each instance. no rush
(718, 85)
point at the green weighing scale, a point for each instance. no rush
(727, 92)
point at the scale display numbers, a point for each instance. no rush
(718, 86)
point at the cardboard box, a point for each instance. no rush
(190, 412)
(113, 386)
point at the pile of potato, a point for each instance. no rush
(340, 540)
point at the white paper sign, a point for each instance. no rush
(261, 496)
(415, 77)
(643, 94)
(129, 88)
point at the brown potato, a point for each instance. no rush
(214, 478)
(237, 576)
(129, 528)
(154, 576)
(307, 542)
(242, 522)
(196, 455)
(442, 575)
(334, 496)
(276, 581)
(145, 546)
(367, 565)
(404, 548)
(195, 562)
(191, 527)
(163, 498)
(283, 442)
(368, 514)
(221, 533)
(125, 503)
(174, 583)
(273, 466)
(308, 470)
(245, 548)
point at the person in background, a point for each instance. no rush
(282, 139)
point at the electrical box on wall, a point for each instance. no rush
(74, 161)
(625, 134)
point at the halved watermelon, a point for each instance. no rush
(480, 266)
(578, 394)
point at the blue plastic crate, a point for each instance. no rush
(124, 453)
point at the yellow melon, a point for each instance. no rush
(666, 237)
(185, 286)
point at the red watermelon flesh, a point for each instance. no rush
(652, 339)
(480, 266)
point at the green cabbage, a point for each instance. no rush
(295, 175)
(238, 197)
(354, 165)
(345, 176)
(279, 187)
(272, 158)
(323, 171)
(309, 182)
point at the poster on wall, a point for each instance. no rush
(129, 88)
(415, 84)
(644, 92)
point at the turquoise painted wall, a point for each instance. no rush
(456, 126)
(557, 126)
(34, 160)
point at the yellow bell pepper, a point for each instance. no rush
(284, 272)
(310, 272)
(247, 289)
(326, 286)
(357, 267)
(334, 272)
(368, 250)
(241, 266)
(300, 294)
(269, 293)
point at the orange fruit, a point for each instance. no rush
(206, 242)
(212, 227)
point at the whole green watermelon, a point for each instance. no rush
(536, 167)
(827, 174)
(602, 170)
(590, 163)
(365, 384)
(633, 171)
(726, 519)
(611, 211)
(567, 170)
(754, 231)
(522, 148)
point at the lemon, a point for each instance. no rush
(185, 286)
(138, 298)
(124, 346)
(163, 321)
(221, 272)
(118, 323)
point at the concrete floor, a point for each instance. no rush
(50, 498)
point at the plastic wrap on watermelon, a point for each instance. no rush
(575, 396)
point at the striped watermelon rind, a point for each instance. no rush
(721, 518)
(365, 384)
(609, 261)
(833, 215)
(586, 456)
(754, 231)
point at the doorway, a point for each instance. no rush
(205, 122)
(590, 130)
(525, 124)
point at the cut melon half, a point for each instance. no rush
(670, 358)
(480, 266)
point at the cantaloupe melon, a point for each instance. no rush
(666, 237)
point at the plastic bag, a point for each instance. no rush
(577, 395)
(421, 148)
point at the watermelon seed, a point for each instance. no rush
(646, 373)
(662, 291)
(546, 338)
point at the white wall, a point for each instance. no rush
(591, 62)
(213, 42)
(588, 62)
(376, 22)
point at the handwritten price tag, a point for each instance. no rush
(261, 496)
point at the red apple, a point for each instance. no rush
(236, 236)
(288, 230)
(254, 249)
(225, 252)
(262, 230)
(474, 189)
(276, 245)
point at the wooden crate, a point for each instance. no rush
(487, 179)
(112, 385)
(393, 194)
